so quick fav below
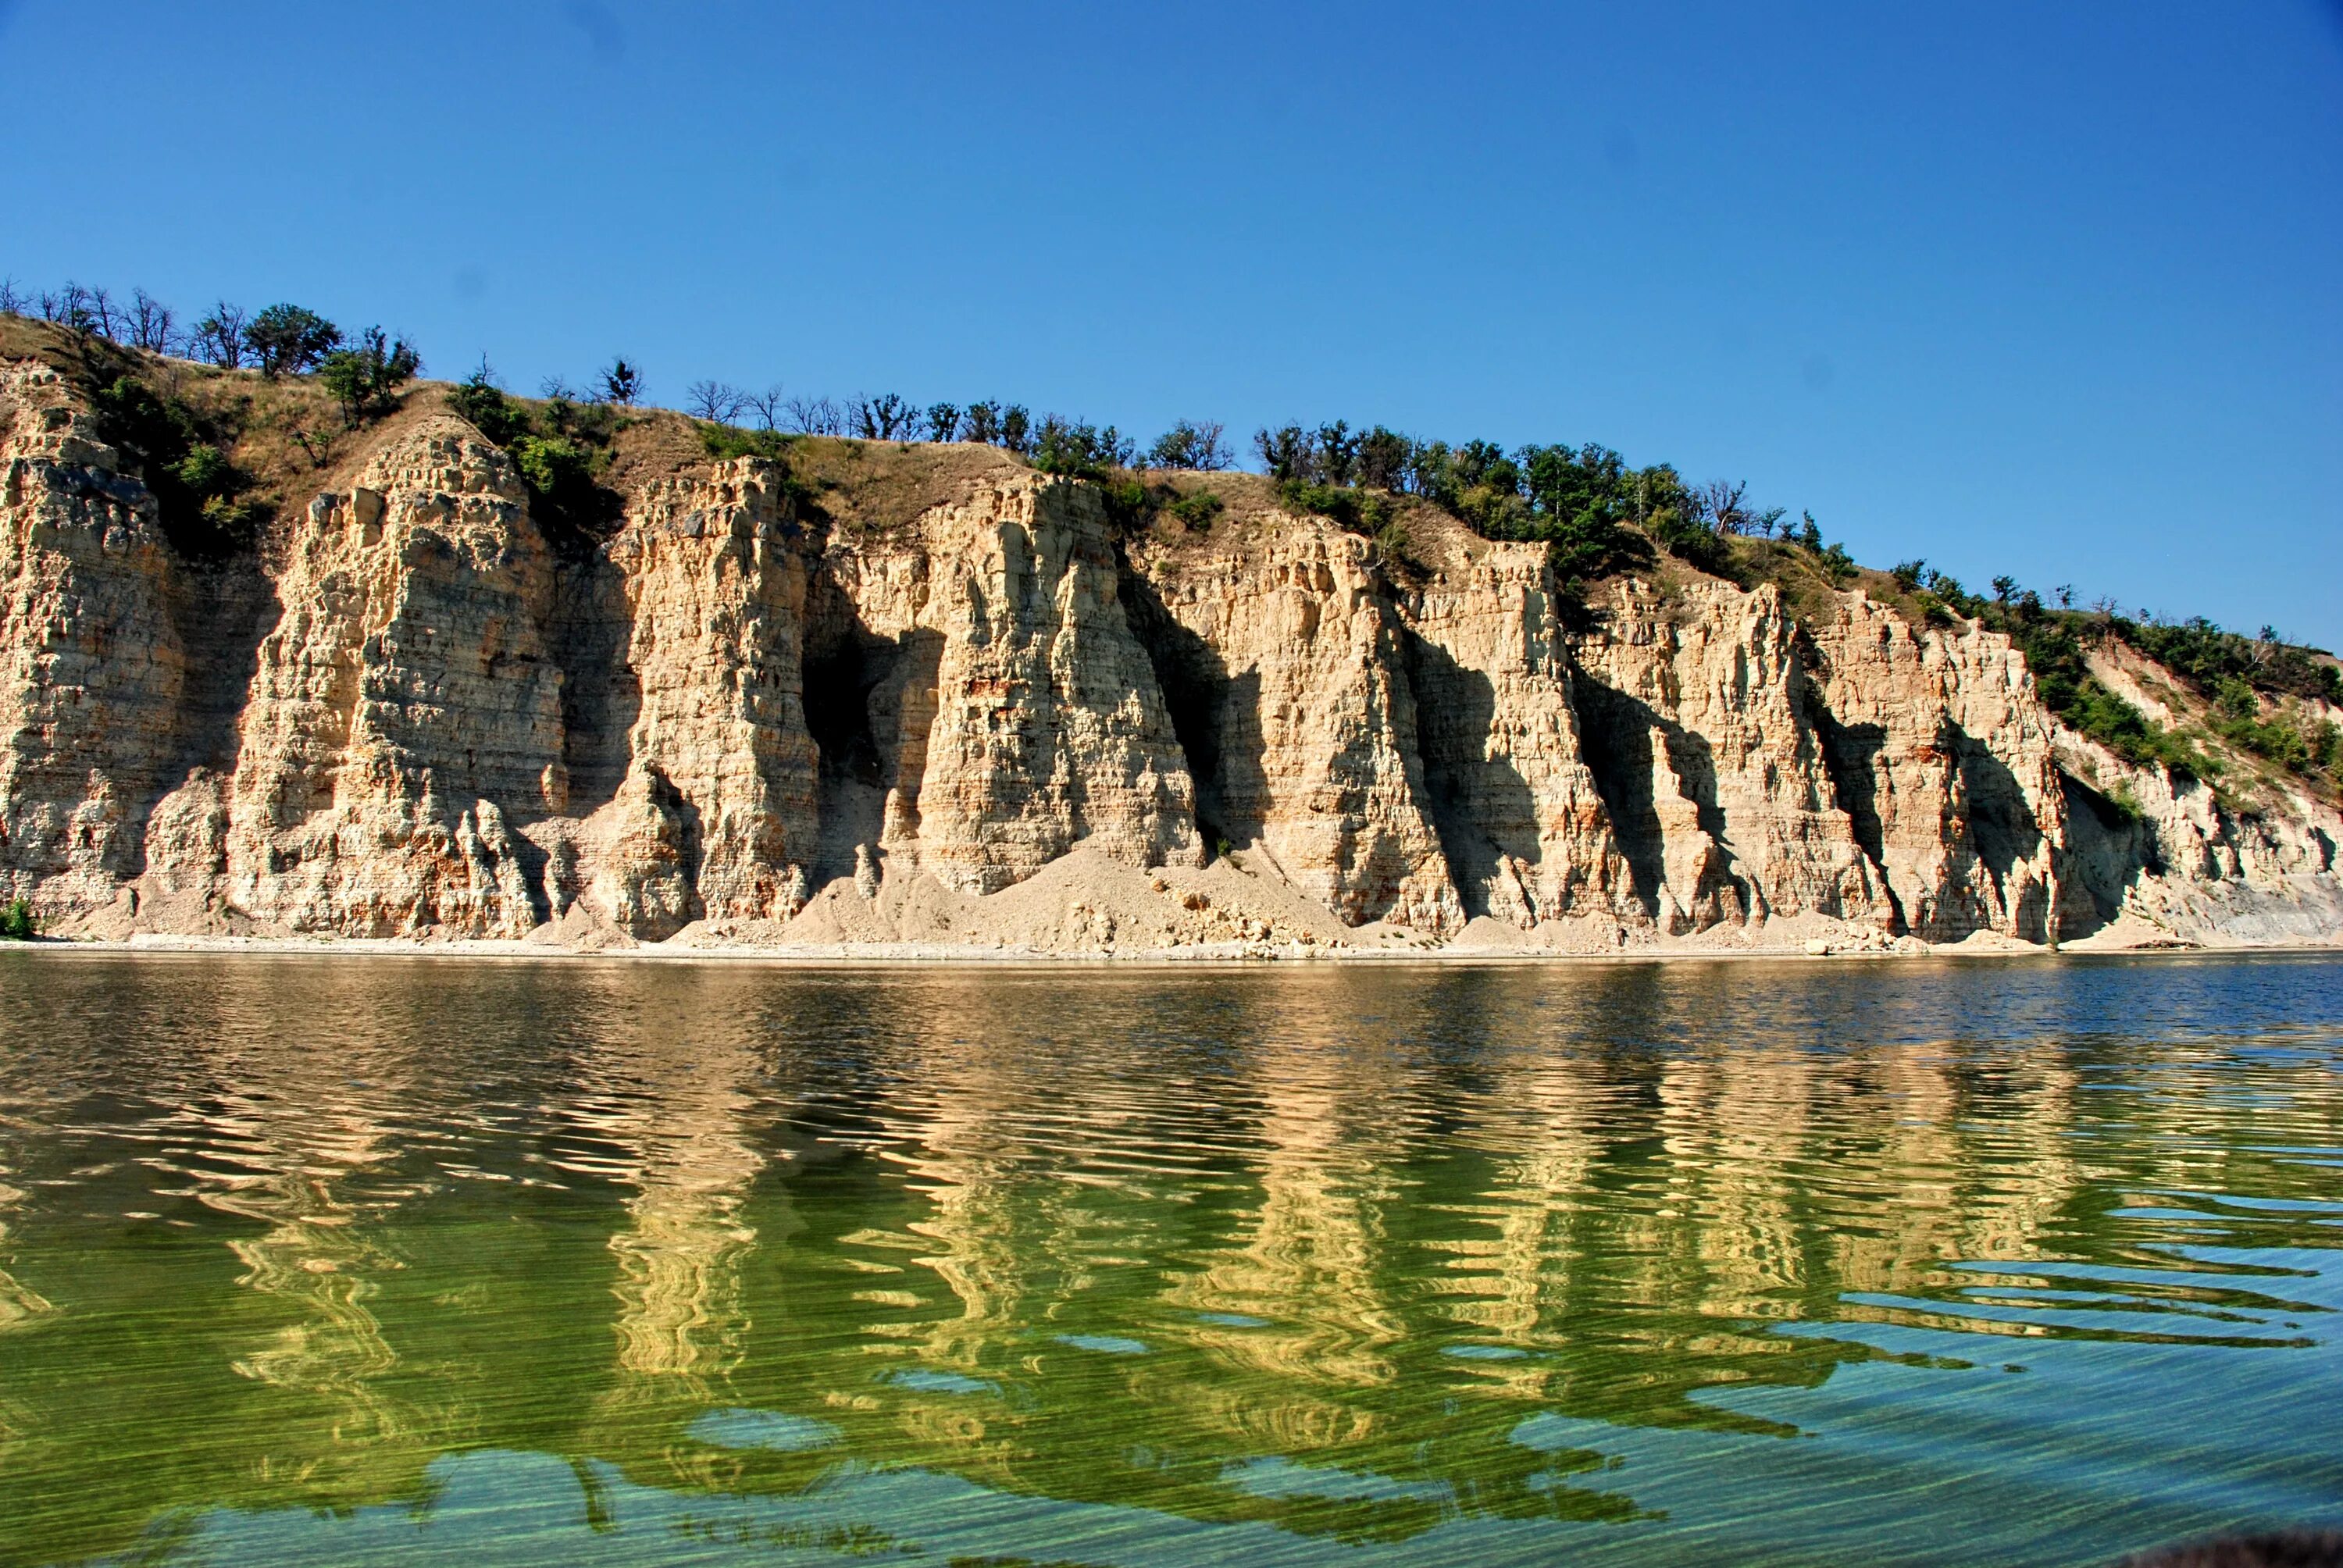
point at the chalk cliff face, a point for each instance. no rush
(92, 668)
(1002, 714)
(713, 814)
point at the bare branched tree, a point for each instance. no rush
(556, 388)
(813, 416)
(219, 336)
(14, 301)
(113, 317)
(1727, 507)
(769, 405)
(69, 307)
(150, 324)
(718, 402)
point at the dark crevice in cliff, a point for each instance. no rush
(1215, 717)
(691, 849)
(2002, 831)
(588, 636)
(869, 702)
(1850, 757)
(2107, 851)
(1481, 807)
(1617, 732)
(224, 616)
(852, 775)
(1617, 745)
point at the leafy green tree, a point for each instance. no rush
(17, 923)
(1196, 512)
(288, 338)
(1907, 574)
(1432, 473)
(1384, 457)
(1016, 429)
(1069, 447)
(621, 383)
(943, 421)
(1562, 483)
(1336, 454)
(887, 417)
(1190, 445)
(1284, 452)
(366, 379)
(982, 424)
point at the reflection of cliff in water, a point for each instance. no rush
(1295, 1249)
(676, 1115)
(303, 1145)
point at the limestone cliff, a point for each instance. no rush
(847, 694)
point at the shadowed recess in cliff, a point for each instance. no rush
(2108, 851)
(1662, 798)
(1619, 754)
(840, 685)
(1480, 807)
(601, 693)
(2001, 829)
(1215, 717)
(1851, 759)
(869, 706)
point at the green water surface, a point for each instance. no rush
(374, 1261)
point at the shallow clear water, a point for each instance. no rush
(372, 1260)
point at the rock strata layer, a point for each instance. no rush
(1012, 717)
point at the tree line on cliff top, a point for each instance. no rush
(1575, 500)
(1594, 513)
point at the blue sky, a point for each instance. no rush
(2054, 291)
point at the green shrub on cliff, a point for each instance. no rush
(17, 923)
(723, 441)
(200, 494)
(366, 379)
(1080, 449)
(1196, 512)
(477, 399)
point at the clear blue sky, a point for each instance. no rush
(2056, 291)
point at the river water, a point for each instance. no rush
(374, 1261)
